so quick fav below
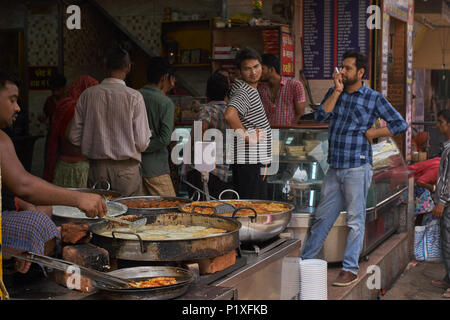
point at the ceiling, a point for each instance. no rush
(432, 13)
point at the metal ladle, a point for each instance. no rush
(133, 225)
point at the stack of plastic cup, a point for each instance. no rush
(290, 278)
(313, 283)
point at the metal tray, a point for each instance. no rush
(73, 214)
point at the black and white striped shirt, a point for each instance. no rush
(251, 112)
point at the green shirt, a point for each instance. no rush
(160, 114)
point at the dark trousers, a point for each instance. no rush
(445, 242)
(215, 185)
(249, 182)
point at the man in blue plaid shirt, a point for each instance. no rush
(352, 109)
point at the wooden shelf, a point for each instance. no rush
(186, 21)
(284, 28)
(195, 65)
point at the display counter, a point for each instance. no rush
(302, 153)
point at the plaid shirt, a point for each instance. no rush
(282, 110)
(214, 114)
(352, 116)
(27, 230)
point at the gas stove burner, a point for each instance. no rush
(203, 279)
(261, 247)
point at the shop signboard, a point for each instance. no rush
(287, 55)
(330, 29)
(398, 9)
(39, 77)
(409, 73)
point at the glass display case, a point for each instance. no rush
(302, 154)
(302, 163)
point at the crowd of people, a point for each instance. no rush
(109, 131)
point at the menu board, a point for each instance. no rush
(287, 55)
(330, 28)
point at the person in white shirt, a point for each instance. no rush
(110, 125)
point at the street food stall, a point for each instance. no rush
(302, 152)
(244, 251)
(207, 249)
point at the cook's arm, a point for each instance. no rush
(39, 192)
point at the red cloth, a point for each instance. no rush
(426, 171)
(420, 140)
(62, 115)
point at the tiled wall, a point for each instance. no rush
(12, 14)
(42, 51)
(142, 19)
(85, 49)
(146, 29)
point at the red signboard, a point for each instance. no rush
(39, 77)
(287, 55)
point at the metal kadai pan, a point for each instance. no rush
(170, 250)
(184, 279)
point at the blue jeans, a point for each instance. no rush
(341, 189)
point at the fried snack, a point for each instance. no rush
(260, 207)
(152, 204)
(154, 282)
(165, 232)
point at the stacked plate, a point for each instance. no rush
(313, 279)
(290, 278)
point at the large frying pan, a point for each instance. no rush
(170, 250)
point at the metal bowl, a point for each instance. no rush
(149, 211)
(63, 214)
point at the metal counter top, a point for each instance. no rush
(41, 288)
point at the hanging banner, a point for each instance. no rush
(398, 9)
(287, 55)
(409, 74)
